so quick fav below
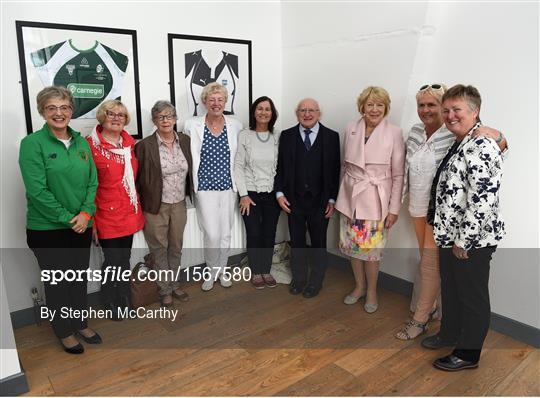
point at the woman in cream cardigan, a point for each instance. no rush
(370, 192)
(214, 140)
(254, 171)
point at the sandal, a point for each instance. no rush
(408, 332)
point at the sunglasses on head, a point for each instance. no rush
(435, 86)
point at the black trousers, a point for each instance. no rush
(307, 214)
(117, 252)
(63, 249)
(261, 231)
(465, 300)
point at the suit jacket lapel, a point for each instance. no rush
(355, 150)
(453, 159)
(376, 148)
(154, 151)
(321, 136)
(229, 135)
(199, 129)
(296, 132)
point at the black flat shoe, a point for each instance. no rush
(310, 291)
(435, 342)
(95, 339)
(295, 288)
(76, 349)
(451, 363)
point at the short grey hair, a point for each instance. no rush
(212, 88)
(57, 92)
(308, 99)
(160, 106)
(469, 94)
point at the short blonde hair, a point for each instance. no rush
(105, 106)
(56, 92)
(378, 94)
(435, 93)
(212, 88)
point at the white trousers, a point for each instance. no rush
(215, 212)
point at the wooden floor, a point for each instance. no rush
(240, 341)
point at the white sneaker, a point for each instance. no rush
(207, 285)
(225, 282)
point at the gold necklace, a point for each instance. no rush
(214, 125)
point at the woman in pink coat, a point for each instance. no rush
(370, 192)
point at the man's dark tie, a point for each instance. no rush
(307, 141)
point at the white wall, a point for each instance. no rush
(332, 51)
(495, 48)
(153, 22)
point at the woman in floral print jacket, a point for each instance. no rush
(467, 228)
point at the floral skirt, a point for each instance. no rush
(362, 239)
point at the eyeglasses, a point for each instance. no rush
(162, 118)
(112, 115)
(54, 108)
(435, 86)
(307, 110)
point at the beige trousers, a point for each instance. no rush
(164, 234)
(427, 287)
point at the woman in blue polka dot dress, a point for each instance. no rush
(214, 139)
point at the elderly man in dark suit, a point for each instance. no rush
(306, 186)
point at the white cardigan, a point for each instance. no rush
(194, 127)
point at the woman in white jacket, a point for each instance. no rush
(214, 138)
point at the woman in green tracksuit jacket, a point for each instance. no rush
(61, 181)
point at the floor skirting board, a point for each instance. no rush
(14, 385)
(515, 329)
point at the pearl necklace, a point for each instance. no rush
(261, 139)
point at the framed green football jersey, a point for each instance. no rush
(93, 75)
(95, 63)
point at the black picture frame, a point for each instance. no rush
(235, 61)
(38, 42)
